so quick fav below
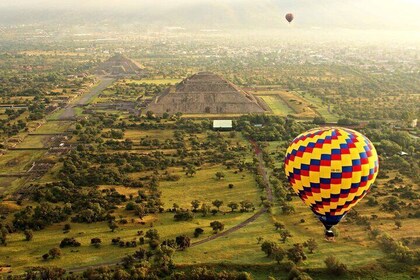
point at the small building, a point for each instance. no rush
(413, 123)
(222, 125)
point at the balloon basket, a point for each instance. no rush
(329, 235)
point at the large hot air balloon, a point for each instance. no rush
(289, 17)
(331, 169)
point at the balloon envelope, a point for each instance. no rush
(289, 17)
(331, 169)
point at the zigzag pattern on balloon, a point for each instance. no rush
(331, 169)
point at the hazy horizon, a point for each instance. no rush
(247, 14)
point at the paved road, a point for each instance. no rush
(70, 114)
(262, 171)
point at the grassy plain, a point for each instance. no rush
(15, 161)
(53, 127)
(321, 108)
(34, 141)
(206, 188)
(277, 105)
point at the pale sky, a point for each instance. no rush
(356, 14)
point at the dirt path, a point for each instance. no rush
(262, 171)
(70, 114)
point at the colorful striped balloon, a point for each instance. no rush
(331, 169)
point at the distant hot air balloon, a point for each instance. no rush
(289, 17)
(331, 170)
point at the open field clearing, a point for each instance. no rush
(24, 252)
(205, 187)
(34, 141)
(277, 105)
(53, 127)
(240, 247)
(18, 161)
(299, 105)
(10, 184)
(319, 107)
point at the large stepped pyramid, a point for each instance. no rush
(206, 93)
(118, 65)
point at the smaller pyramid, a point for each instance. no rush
(118, 65)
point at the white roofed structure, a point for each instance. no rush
(222, 124)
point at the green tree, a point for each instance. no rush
(195, 204)
(152, 234)
(269, 247)
(205, 209)
(183, 242)
(112, 226)
(28, 234)
(217, 226)
(191, 171)
(284, 234)
(233, 206)
(296, 253)
(311, 244)
(278, 254)
(96, 242)
(55, 252)
(217, 203)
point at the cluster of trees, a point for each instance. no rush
(398, 250)
(136, 89)
(273, 250)
(82, 206)
(205, 209)
(273, 128)
(7, 125)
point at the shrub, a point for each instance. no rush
(334, 266)
(69, 242)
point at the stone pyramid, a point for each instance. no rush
(206, 93)
(118, 65)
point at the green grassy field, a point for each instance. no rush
(34, 141)
(18, 161)
(320, 108)
(205, 187)
(29, 253)
(10, 184)
(277, 105)
(53, 127)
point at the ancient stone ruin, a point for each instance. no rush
(118, 65)
(206, 93)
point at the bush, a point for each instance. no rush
(198, 232)
(130, 206)
(54, 252)
(69, 242)
(96, 242)
(183, 216)
(334, 266)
